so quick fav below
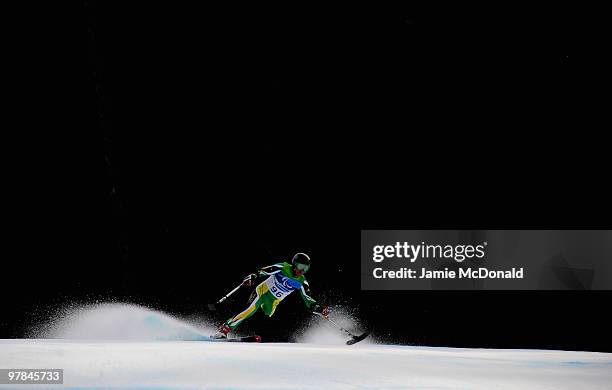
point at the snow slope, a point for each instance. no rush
(205, 365)
(131, 347)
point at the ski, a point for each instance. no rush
(354, 339)
(246, 339)
(357, 339)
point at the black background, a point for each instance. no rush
(161, 152)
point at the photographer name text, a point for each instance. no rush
(462, 273)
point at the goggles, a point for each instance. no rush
(302, 267)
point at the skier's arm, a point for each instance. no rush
(269, 270)
(310, 303)
(264, 271)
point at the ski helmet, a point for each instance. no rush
(301, 261)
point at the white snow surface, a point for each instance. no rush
(209, 365)
(130, 347)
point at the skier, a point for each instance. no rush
(281, 280)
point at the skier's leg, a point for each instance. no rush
(249, 311)
(268, 304)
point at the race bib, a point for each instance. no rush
(280, 286)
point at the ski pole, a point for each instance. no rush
(354, 339)
(336, 325)
(229, 293)
(211, 306)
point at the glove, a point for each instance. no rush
(249, 280)
(325, 312)
(322, 310)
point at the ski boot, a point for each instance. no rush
(222, 332)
